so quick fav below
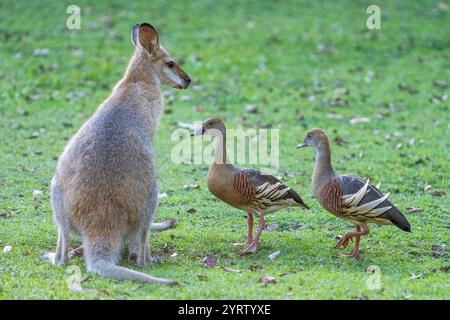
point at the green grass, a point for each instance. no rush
(238, 53)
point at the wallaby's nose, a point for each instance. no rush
(187, 80)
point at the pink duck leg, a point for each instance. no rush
(357, 235)
(249, 233)
(254, 244)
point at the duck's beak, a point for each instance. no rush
(302, 145)
(198, 132)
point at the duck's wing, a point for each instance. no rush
(362, 201)
(264, 192)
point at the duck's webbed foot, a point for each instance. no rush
(343, 242)
(252, 248)
(350, 235)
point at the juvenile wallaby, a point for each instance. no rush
(105, 187)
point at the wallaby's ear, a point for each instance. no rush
(135, 34)
(146, 36)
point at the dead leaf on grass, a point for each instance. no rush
(413, 209)
(266, 280)
(191, 186)
(255, 267)
(356, 120)
(251, 109)
(340, 141)
(230, 270)
(274, 255)
(271, 227)
(438, 251)
(202, 277)
(210, 261)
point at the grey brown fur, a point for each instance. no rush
(105, 186)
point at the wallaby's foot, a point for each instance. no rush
(142, 259)
(163, 225)
(147, 261)
(133, 257)
(54, 259)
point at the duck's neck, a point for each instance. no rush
(323, 170)
(221, 149)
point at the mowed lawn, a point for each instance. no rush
(381, 95)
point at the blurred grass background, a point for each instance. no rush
(301, 64)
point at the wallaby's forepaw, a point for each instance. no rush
(171, 223)
(51, 256)
(163, 225)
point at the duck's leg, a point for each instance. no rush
(249, 232)
(254, 244)
(355, 252)
(343, 242)
(250, 228)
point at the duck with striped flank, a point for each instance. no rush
(245, 189)
(349, 197)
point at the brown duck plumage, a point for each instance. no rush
(349, 197)
(245, 189)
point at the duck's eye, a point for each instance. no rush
(309, 136)
(210, 124)
(170, 64)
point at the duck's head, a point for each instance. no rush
(314, 138)
(212, 127)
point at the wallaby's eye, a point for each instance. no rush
(170, 64)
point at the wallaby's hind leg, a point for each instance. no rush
(144, 258)
(139, 250)
(62, 248)
(61, 256)
(139, 247)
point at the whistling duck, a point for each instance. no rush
(245, 189)
(349, 197)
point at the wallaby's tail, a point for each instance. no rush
(110, 270)
(163, 225)
(101, 258)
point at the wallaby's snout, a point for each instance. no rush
(145, 36)
(183, 80)
(187, 81)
